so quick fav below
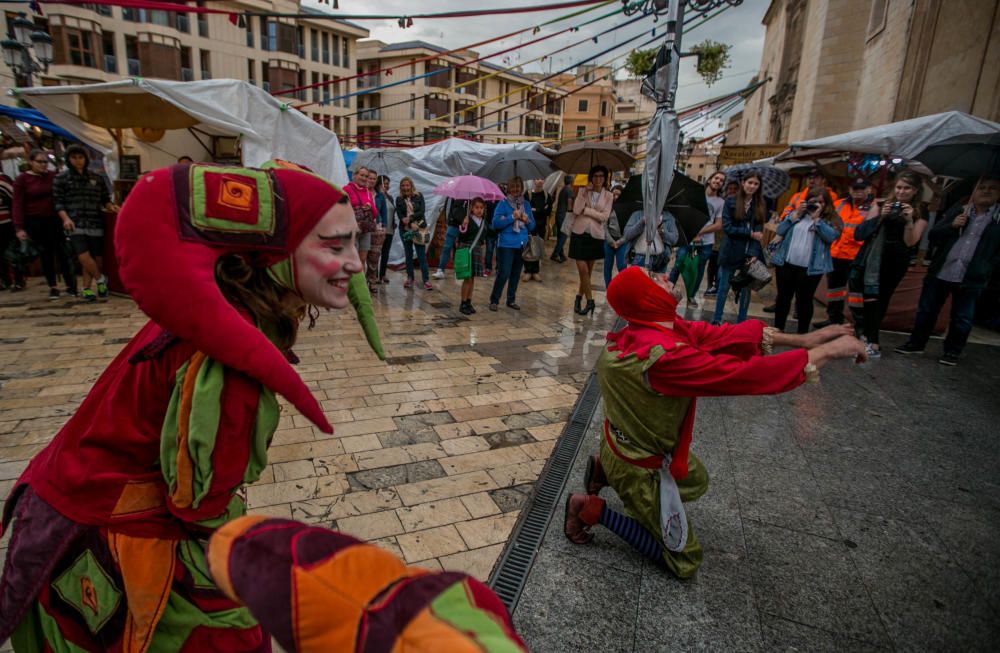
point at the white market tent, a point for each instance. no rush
(162, 120)
(430, 165)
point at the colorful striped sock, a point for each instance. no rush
(632, 532)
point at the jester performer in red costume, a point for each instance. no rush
(109, 522)
(651, 373)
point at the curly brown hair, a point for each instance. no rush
(277, 311)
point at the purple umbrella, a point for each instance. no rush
(469, 187)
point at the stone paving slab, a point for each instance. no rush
(858, 514)
(435, 449)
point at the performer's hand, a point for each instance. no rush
(846, 347)
(826, 334)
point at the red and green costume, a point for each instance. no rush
(108, 522)
(651, 373)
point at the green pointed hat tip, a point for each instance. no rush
(361, 300)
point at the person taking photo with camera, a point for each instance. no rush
(802, 256)
(893, 226)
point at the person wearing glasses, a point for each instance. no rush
(35, 219)
(591, 210)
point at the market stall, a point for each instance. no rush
(143, 124)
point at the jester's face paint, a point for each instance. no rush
(327, 258)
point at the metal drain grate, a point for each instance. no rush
(512, 571)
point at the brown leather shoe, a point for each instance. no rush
(582, 512)
(594, 479)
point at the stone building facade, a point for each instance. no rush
(837, 65)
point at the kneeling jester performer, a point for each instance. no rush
(651, 373)
(109, 523)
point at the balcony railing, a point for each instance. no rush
(370, 114)
(134, 69)
(187, 75)
(110, 63)
(266, 86)
(206, 74)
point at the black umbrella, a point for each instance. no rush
(526, 164)
(685, 201)
(972, 155)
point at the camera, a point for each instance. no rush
(811, 206)
(896, 207)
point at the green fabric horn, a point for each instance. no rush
(361, 300)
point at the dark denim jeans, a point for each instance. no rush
(612, 258)
(720, 301)
(450, 237)
(421, 251)
(509, 264)
(963, 308)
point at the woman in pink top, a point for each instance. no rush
(586, 243)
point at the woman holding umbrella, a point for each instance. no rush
(591, 210)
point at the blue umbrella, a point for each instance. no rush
(36, 118)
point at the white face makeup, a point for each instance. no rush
(327, 258)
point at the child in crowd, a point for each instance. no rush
(472, 236)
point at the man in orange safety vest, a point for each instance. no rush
(852, 211)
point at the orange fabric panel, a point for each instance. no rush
(428, 633)
(219, 547)
(183, 495)
(147, 569)
(138, 496)
(331, 596)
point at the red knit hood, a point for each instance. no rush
(637, 298)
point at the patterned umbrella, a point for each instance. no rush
(774, 180)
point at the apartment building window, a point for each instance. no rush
(347, 126)
(581, 131)
(187, 72)
(182, 23)
(249, 29)
(346, 44)
(601, 131)
(301, 81)
(132, 56)
(80, 47)
(252, 71)
(506, 121)
(413, 106)
(108, 50)
(315, 89)
(604, 108)
(133, 15)
(202, 21)
(326, 48)
(336, 49)
(314, 44)
(583, 106)
(265, 77)
(326, 87)
(206, 65)
(286, 38)
(300, 42)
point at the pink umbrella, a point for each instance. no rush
(469, 187)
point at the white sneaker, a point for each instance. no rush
(439, 274)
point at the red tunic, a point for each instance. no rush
(701, 360)
(102, 468)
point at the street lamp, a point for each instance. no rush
(17, 51)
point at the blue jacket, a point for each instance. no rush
(738, 244)
(820, 261)
(634, 228)
(503, 224)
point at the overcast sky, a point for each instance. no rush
(738, 26)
